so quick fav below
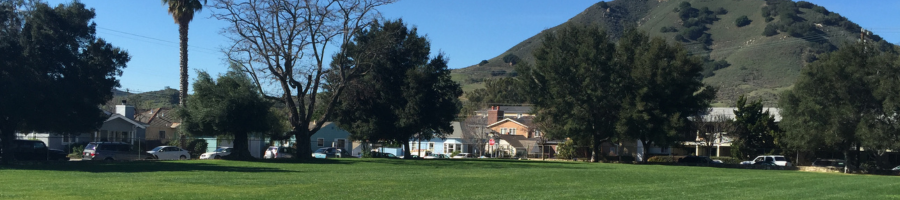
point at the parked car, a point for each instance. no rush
(169, 153)
(437, 156)
(217, 154)
(896, 168)
(779, 160)
(111, 151)
(278, 152)
(330, 152)
(839, 163)
(462, 156)
(375, 154)
(695, 160)
(35, 150)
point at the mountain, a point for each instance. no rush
(165, 98)
(759, 59)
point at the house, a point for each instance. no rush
(719, 142)
(162, 126)
(514, 132)
(447, 145)
(330, 135)
(119, 127)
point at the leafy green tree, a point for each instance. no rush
(183, 13)
(770, 30)
(53, 62)
(582, 100)
(665, 87)
(495, 91)
(405, 94)
(229, 106)
(754, 129)
(845, 99)
(742, 21)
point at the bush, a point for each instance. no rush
(721, 11)
(662, 159)
(603, 5)
(454, 153)
(742, 21)
(76, 151)
(805, 4)
(483, 62)
(566, 150)
(727, 160)
(679, 38)
(197, 147)
(770, 30)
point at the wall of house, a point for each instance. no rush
(435, 145)
(152, 133)
(330, 134)
(256, 145)
(520, 130)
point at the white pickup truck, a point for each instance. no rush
(778, 160)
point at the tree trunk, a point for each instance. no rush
(241, 147)
(183, 87)
(7, 135)
(405, 144)
(646, 148)
(595, 150)
(846, 159)
(304, 150)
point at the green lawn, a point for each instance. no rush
(425, 179)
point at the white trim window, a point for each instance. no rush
(512, 131)
(431, 146)
(341, 143)
(537, 133)
(320, 142)
(414, 145)
(504, 131)
(451, 147)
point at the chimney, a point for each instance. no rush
(125, 110)
(494, 115)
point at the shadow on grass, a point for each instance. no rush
(481, 163)
(134, 167)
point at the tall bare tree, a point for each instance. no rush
(282, 44)
(475, 132)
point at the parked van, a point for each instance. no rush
(34, 150)
(111, 151)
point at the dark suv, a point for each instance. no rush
(35, 150)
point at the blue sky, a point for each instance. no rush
(467, 31)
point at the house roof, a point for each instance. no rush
(728, 112)
(509, 110)
(118, 116)
(513, 140)
(524, 119)
(158, 117)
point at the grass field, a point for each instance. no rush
(425, 179)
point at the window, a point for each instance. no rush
(512, 131)
(162, 134)
(431, 146)
(519, 115)
(503, 131)
(537, 133)
(451, 147)
(320, 142)
(340, 143)
(67, 137)
(414, 145)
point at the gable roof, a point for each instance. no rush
(158, 117)
(507, 120)
(118, 116)
(728, 112)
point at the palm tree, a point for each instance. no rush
(183, 12)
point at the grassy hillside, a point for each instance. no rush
(761, 66)
(165, 98)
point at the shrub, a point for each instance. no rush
(454, 153)
(566, 150)
(662, 159)
(721, 11)
(483, 62)
(770, 30)
(197, 147)
(742, 21)
(76, 151)
(603, 5)
(679, 38)
(805, 4)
